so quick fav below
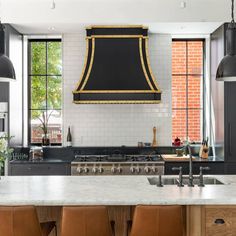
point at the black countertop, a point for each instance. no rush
(198, 159)
(58, 160)
(44, 161)
(66, 155)
(210, 159)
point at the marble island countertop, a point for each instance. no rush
(110, 190)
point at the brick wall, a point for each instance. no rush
(115, 125)
(187, 58)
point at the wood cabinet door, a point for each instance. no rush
(220, 221)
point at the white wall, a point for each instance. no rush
(15, 88)
(115, 125)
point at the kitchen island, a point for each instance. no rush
(121, 194)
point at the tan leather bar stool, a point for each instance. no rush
(158, 221)
(22, 221)
(85, 221)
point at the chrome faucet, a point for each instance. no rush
(188, 151)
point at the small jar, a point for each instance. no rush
(36, 154)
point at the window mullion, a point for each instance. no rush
(46, 78)
(186, 59)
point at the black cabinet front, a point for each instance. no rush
(230, 122)
(39, 169)
(216, 168)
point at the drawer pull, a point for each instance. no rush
(219, 221)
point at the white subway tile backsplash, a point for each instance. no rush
(114, 125)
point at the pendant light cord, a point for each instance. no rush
(232, 12)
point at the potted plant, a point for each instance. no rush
(44, 126)
(5, 150)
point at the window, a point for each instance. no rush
(45, 90)
(187, 89)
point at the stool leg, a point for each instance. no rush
(113, 227)
(56, 229)
(129, 226)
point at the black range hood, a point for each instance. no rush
(117, 67)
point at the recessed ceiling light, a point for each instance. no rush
(51, 28)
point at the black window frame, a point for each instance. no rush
(29, 85)
(203, 75)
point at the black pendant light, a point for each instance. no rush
(227, 68)
(6, 67)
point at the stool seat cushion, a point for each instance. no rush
(85, 221)
(158, 221)
(23, 221)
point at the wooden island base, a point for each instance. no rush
(200, 220)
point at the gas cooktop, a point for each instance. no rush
(117, 164)
(118, 158)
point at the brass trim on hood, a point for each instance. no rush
(84, 67)
(116, 26)
(118, 102)
(142, 41)
(117, 36)
(90, 65)
(149, 65)
(143, 66)
(117, 91)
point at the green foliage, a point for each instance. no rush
(54, 58)
(38, 92)
(38, 58)
(45, 90)
(54, 92)
(5, 151)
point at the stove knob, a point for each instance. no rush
(79, 170)
(94, 170)
(132, 169)
(119, 169)
(100, 169)
(154, 169)
(138, 169)
(146, 169)
(86, 169)
(113, 169)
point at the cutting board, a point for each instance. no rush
(174, 157)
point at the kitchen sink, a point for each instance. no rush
(174, 181)
(206, 181)
(165, 181)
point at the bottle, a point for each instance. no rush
(201, 148)
(207, 142)
(69, 138)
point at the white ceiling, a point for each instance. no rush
(162, 16)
